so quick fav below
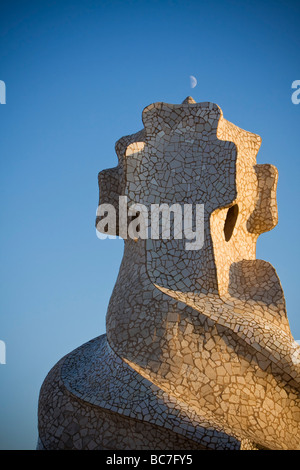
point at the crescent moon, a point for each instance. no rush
(193, 81)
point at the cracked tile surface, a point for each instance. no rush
(198, 351)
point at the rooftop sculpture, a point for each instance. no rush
(198, 352)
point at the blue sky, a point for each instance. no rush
(78, 75)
